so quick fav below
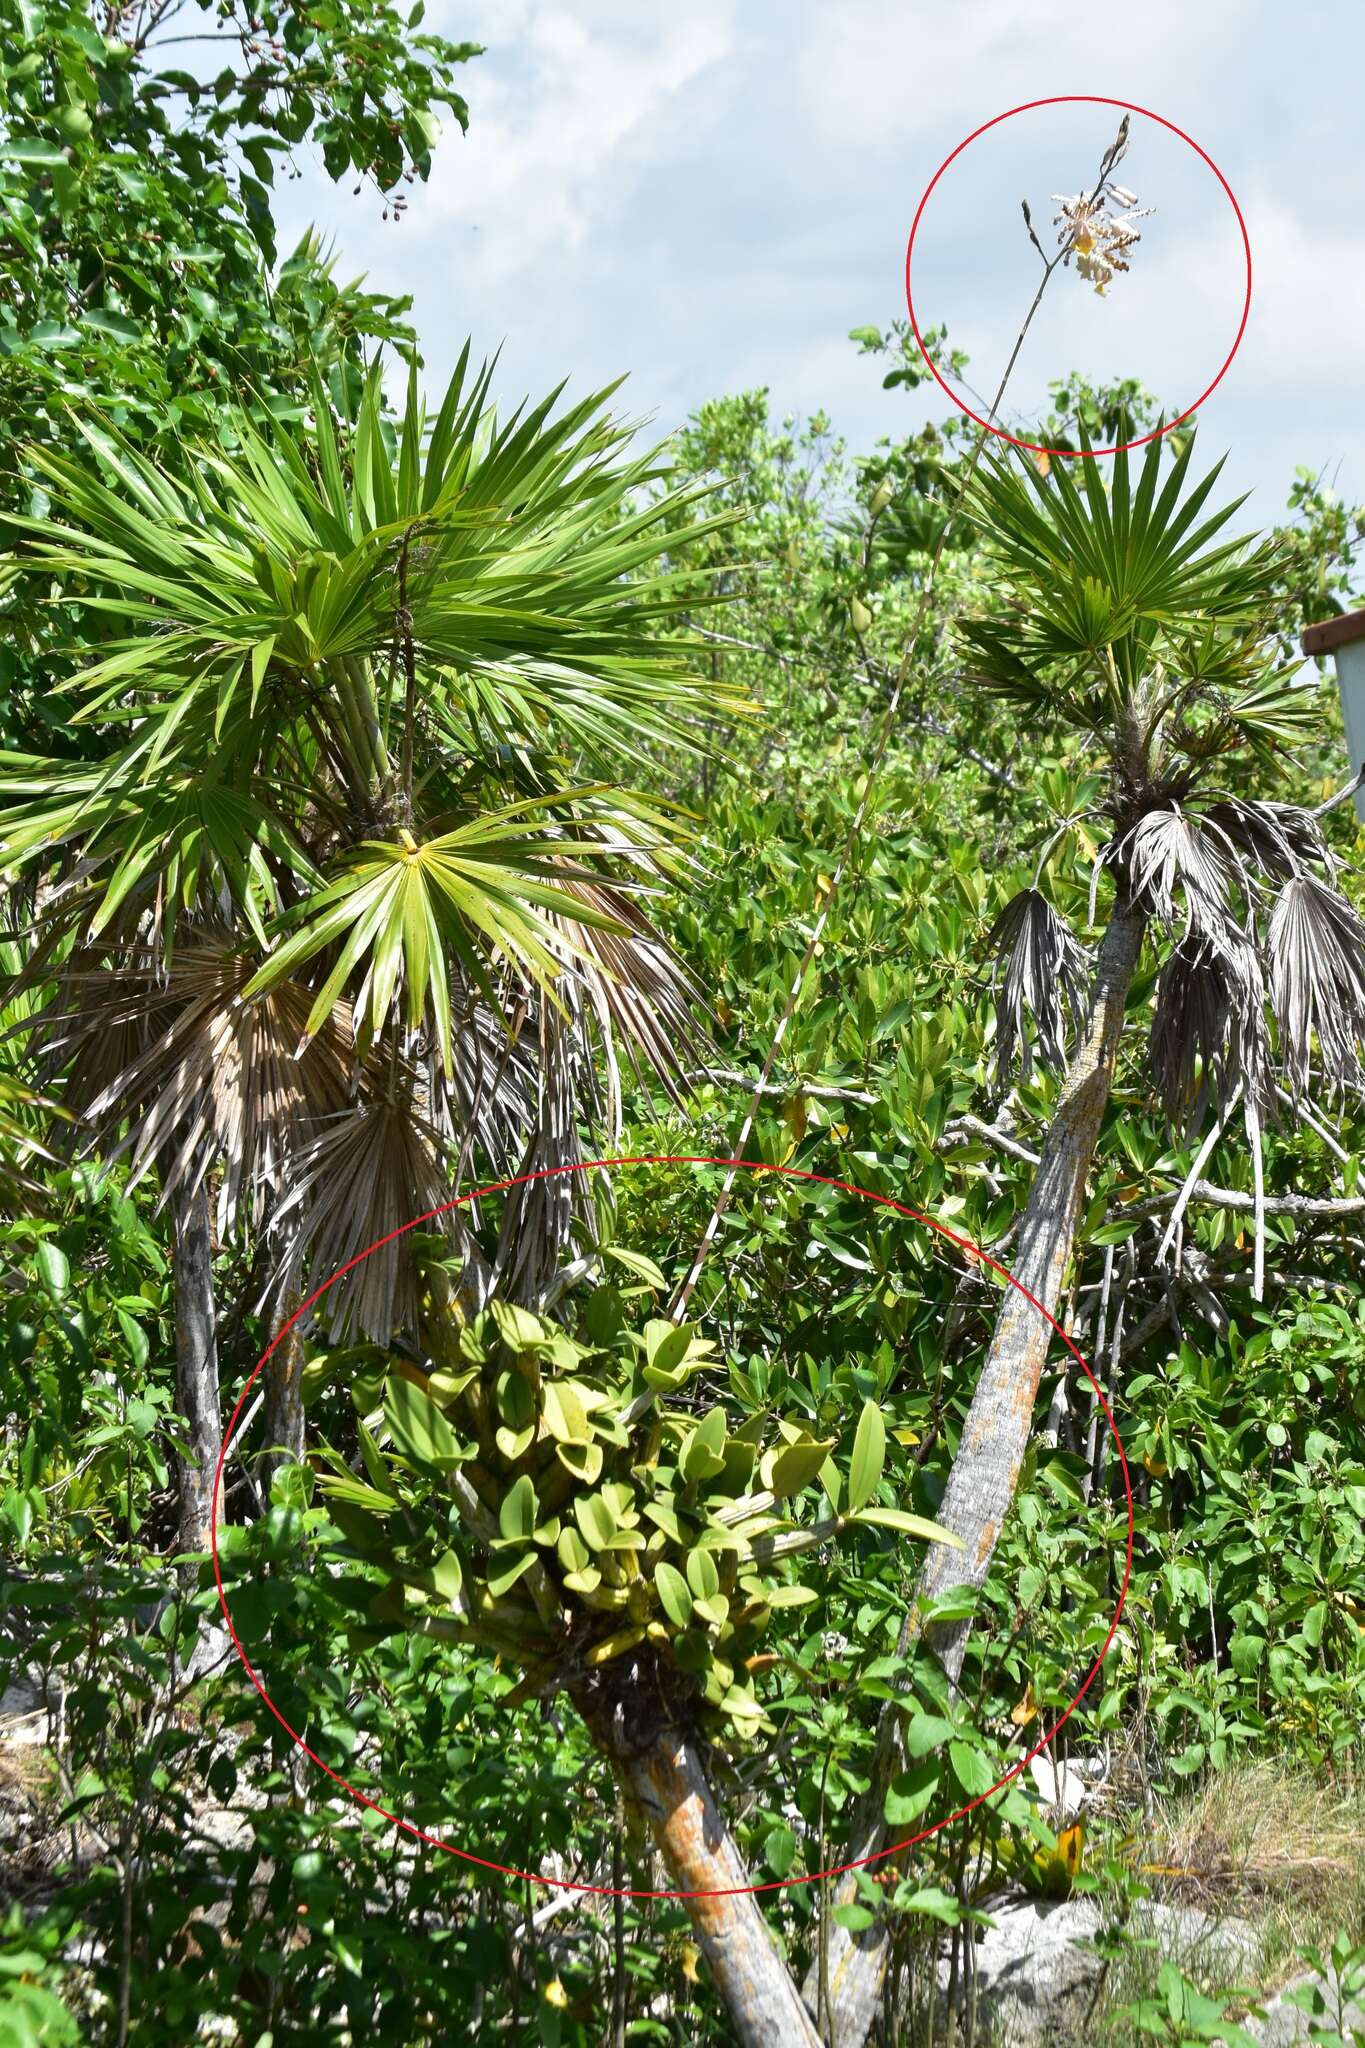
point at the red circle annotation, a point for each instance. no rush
(1093, 100)
(675, 1159)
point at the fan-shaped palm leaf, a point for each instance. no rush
(1209, 1033)
(1107, 583)
(1317, 981)
(1040, 976)
(174, 1067)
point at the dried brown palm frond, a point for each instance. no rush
(1317, 986)
(623, 989)
(637, 993)
(539, 1216)
(1209, 1033)
(1040, 978)
(172, 1067)
(1176, 867)
(369, 1172)
(1280, 840)
(484, 1108)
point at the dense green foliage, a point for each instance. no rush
(505, 1518)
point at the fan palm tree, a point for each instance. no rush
(351, 894)
(1134, 627)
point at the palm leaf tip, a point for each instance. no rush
(1209, 1032)
(1278, 839)
(1317, 985)
(1174, 866)
(1040, 976)
(369, 1174)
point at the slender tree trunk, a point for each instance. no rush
(196, 1364)
(995, 1439)
(665, 1779)
(283, 1375)
(986, 1469)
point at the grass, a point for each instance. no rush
(1270, 1849)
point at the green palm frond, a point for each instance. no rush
(480, 895)
(20, 1108)
(1107, 584)
(353, 846)
(528, 573)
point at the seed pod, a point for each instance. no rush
(882, 496)
(860, 615)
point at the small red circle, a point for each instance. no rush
(674, 1159)
(1091, 100)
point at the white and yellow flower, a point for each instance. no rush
(1097, 229)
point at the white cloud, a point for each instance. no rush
(560, 136)
(712, 197)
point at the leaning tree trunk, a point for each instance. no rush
(995, 1438)
(196, 1364)
(660, 1769)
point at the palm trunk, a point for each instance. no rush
(995, 1438)
(665, 1779)
(284, 1393)
(196, 1365)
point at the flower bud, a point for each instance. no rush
(882, 496)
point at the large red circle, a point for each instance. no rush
(626, 1891)
(1092, 100)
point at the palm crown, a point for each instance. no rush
(350, 889)
(1133, 621)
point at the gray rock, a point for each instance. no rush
(1036, 1967)
(1284, 2026)
(23, 1712)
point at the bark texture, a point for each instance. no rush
(995, 1438)
(283, 1411)
(196, 1365)
(661, 1771)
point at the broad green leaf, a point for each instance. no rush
(31, 149)
(911, 1793)
(596, 1520)
(789, 1468)
(674, 1597)
(666, 1350)
(519, 1510)
(702, 1576)
(636, 1262)
(869, 1454)
(53, 1267)
(583, 1460)
(565, 1416)
(790, 1596)
(702, 1456)
(925, 1732)
(972, 1768)
(418, 1427)
(503, 1574)
(908, 1525)
(518, 1328)
(779, 1849)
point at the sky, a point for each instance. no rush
(709, 197)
